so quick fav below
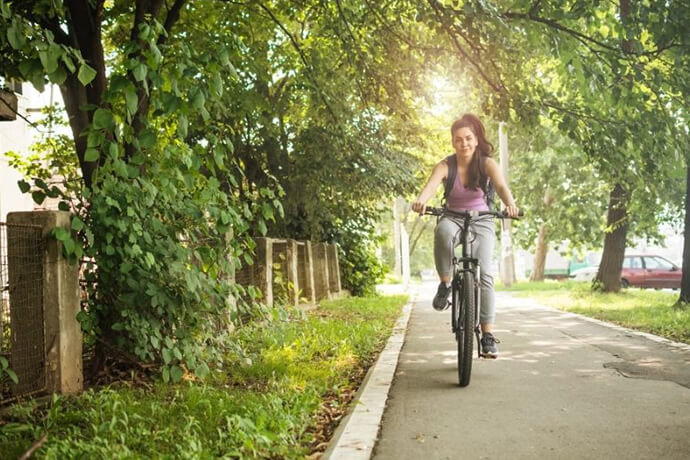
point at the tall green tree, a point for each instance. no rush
(194, 120)
(313, 110)
(566, 60)
(563, 197)
(151, 216)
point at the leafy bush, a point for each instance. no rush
(159, 228)
(360, 267)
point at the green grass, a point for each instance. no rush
(262, 403)
(645, 310)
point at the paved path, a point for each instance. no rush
(562, 388)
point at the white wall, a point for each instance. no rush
(15, 136)
(18, 136)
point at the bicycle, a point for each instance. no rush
(465, 302)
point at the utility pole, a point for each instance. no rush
(405, 252)
(507, 268)
(397, 268)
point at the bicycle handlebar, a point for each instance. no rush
(447, 212)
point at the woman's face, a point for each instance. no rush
(464, 141)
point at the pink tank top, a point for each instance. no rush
(464, 199)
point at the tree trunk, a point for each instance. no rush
(415, 239)
(540, 255)
(609, 274)
(542, 243)
(85, 32)
(685, 281)
(74, 96)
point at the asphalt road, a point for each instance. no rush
(562, 388)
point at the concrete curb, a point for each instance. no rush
(356, 435)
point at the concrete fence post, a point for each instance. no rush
(335, 268)
(321, 271)
(308, 291)
(263, 274)
(62, 333)
(292, 273)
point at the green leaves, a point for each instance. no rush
(131, 100)
(139, 71)
(102, 119)
(15, 35)
(86, 74)
(49, 58)
(6, 371)
(147, 138)
(62, 234)
(173, 373)
(91, 155)
(182, 126)
(77, 224)
(198, 99)
(38, 196)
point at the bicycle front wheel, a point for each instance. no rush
(465, 331)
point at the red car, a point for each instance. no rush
(650, 271)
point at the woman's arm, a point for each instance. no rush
(494, 173)
(439, 173)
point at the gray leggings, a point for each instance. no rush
(482, 248)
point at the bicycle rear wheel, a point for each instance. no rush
(464, 334)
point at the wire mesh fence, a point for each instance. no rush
(21, 312)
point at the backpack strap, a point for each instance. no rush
(450, 178)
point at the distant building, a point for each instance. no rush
(559, 266)
(17, 135)
(14, 136)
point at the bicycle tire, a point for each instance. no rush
(465, 331)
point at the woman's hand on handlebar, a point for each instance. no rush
(512, 211)
(419, 207)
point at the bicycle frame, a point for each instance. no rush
(465, 268)
(465, 264)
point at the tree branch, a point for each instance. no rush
(357, 48)
(419, 235)
(533, 9)
(437, 10)
(303, 58)
(31, 123)
(408, 41)
(34, 447)
(585, 39)
(170, 19)
(579, 113)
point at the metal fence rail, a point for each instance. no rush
(21, 281)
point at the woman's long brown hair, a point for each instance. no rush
(484, 148)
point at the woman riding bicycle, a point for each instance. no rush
(476, 173)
